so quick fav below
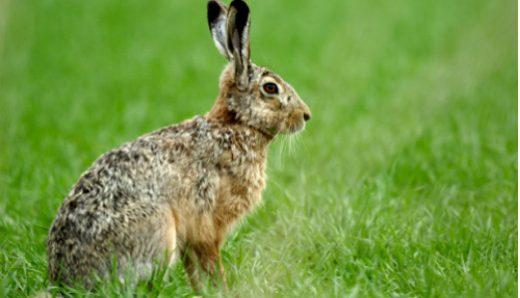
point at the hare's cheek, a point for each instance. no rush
(295, 121)
(273, 104)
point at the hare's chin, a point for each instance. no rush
(294, 128)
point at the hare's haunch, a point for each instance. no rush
(177, 192)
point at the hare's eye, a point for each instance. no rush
(270, 88)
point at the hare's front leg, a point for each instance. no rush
(222, 272)
(208, 257)
(190, 266)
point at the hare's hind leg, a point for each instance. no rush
(170, 236)
(166, 249)
(153, 246)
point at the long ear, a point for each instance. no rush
(238, 40)
(217, 14)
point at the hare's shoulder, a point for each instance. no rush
(187, 128)
(199, 139)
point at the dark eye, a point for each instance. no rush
(270, 88)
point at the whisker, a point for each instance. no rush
(294, 142)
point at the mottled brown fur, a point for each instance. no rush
(178, 191)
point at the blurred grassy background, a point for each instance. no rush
(404, 183)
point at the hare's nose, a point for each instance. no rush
(306, 116)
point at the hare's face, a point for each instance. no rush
(268, 104)
(257, 96)
(274, 105)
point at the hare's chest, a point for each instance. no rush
(240, 191)
(235, 196)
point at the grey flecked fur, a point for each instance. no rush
(179, 190)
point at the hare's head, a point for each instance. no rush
(252, 95)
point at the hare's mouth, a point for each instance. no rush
(293, 128)
(295, 122)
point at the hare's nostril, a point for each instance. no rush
(306, 116)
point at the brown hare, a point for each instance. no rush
(176, 192)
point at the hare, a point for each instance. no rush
(177, 192)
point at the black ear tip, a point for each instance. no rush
(214, 10)
(242, 13)
(240, 6)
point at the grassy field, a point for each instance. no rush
(404, 183)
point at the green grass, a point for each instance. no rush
(404, 183)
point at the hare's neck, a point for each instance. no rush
(220, 113)
(259, 141)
